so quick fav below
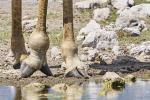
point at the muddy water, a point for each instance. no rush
(139, 90)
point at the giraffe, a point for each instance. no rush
(39, 43)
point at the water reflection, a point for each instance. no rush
(68, 92)
(10, 93)
(139, 90)
(34, 91)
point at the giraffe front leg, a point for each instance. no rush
(72, 63)
(38, 43)
(17, 52)
(73, 66)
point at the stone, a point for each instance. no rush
(132, 20)
(133, 14)
(29, 25)
(90, 40)
(141, 51)
(134, 31)
(116, 50)
(138, 49)
(106, 39)
(85, 49)
(55, 53)
(92, 54)
(89, 4)
(110, 76)
(113, 80)
(90, 27)
(135, 28)
(84, 57)
(107, 60)
(92, 35)
(100, 39)
(141, 10)
(101, 14)
(121, 4)
(111, 27)
(130, 78)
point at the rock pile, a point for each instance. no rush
(95, 39)
(132, 19)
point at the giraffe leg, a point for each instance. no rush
(39, 44)
(17, 40)
(73, 65)
(37, 58)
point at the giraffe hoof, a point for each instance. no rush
(73, 73)
(16, 66)
(77, 73)
(83, 73)
(46, 70)
(26, 71)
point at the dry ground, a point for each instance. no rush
(9, 76)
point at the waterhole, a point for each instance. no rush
(140, 90)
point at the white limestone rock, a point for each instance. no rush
(88, 4)
(116, 49)
(132, 19)
(111, 76)
(90, 27)
(83, 57)
(101, 14)
(133, 14)
(134, 31)
(55, 53)
(121, 4)
(90, 40)
(92, 54)
(141, 10)
(141, 52)
(144, 47)
(111, 27)
(29, 25)
(106, 39)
